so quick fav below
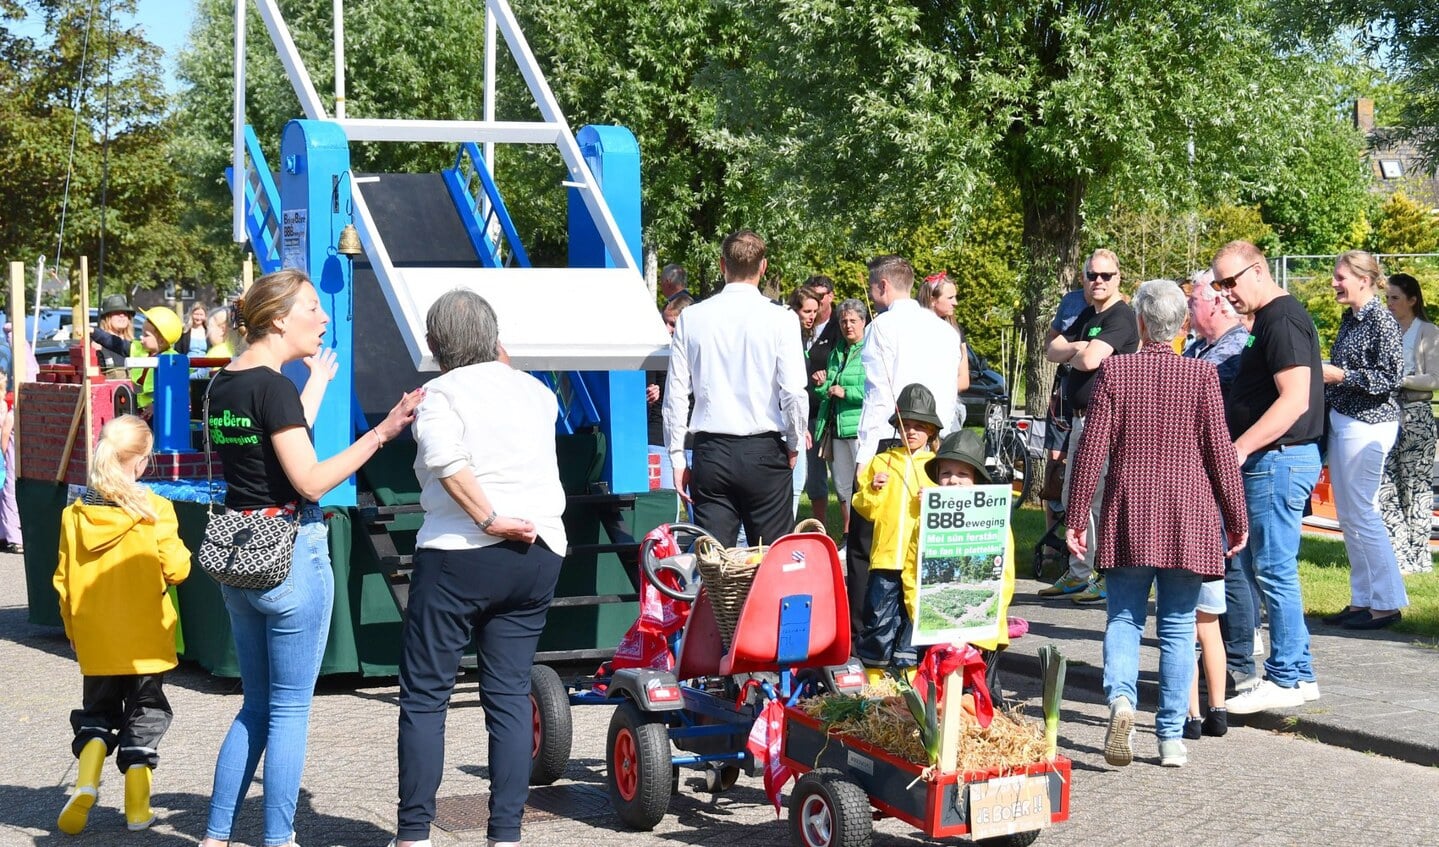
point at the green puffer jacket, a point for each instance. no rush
(847, 371)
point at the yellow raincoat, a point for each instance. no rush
(113, 579)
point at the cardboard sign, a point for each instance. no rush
(1005, 806)
(963, 536)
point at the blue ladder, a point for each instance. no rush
(460, 180)
(262, 199)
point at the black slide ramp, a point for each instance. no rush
(418, 221)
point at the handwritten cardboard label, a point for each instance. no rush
(1005, 806)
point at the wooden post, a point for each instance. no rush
(247, 278)
(18, 347)
(951, 722)
(82, 324)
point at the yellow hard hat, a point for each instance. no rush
(166, 323)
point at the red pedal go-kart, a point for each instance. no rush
(791, 639)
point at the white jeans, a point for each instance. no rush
(1356, 467)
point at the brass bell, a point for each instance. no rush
(350, 242)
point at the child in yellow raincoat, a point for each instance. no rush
(887, 493)
(120, 550)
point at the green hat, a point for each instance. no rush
(962, 446)
(115, 303)
(915, 404)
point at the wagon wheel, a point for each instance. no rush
(1018, 839)
(553, 730)
(827, 809)
(639, 772)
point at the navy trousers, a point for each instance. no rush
(498, 595)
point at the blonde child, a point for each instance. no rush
(887, 493)
(120, 549)
(960, 461)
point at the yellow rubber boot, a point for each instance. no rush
(874, 676)
(87, 788)
(138, 814)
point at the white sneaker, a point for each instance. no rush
(1248, 683)
(1119, 740)
(1264, 696)
(1310, 689)
(1172, 753)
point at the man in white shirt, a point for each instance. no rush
(742, 358)
(906, 344)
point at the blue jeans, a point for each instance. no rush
(1128, 605)
(1277, 485)
(280, 636)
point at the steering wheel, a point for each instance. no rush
(683, 567)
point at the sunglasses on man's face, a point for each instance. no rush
(1106, 276)
(1229, 282)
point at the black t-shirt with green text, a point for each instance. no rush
(1283, 337)
(246, 407)
(1116, 326)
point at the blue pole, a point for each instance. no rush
(171, 421)
(314, 208)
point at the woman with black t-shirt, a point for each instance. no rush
(260, 425)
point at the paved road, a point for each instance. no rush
(1252, 787)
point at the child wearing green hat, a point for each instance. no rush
(960, 461)
(887, 493)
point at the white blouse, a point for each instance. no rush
(500, 423)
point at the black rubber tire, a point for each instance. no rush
(639, 772)
(828, 809)
(553, 726)
(1015, 467)
(1018, 839)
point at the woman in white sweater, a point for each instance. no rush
(486, 560)
(1406, 496)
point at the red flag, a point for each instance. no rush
(766, 739)
(646, 643)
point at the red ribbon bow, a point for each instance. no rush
(944, 659)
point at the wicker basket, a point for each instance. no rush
(728, 574)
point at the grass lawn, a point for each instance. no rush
(1323, 576)
(1323, 572)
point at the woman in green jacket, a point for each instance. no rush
(841, 398)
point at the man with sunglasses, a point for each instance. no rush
(1275, 409)
(1106, 326)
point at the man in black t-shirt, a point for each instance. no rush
(1106, 326)
(1275, 409)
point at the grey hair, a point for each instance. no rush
(461, 329)
(1200, 281)
(1162, 306)
(854, 305)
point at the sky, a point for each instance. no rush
(166, 23)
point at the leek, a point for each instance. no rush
(925, 710)
(1051, 670)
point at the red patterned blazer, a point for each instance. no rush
(1159, 419)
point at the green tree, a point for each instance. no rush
(1405, 227)
(879, 114)
(124, 177)
(1402, 34)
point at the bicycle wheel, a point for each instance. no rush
(1014, 466)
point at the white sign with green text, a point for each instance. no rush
(963, 533)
